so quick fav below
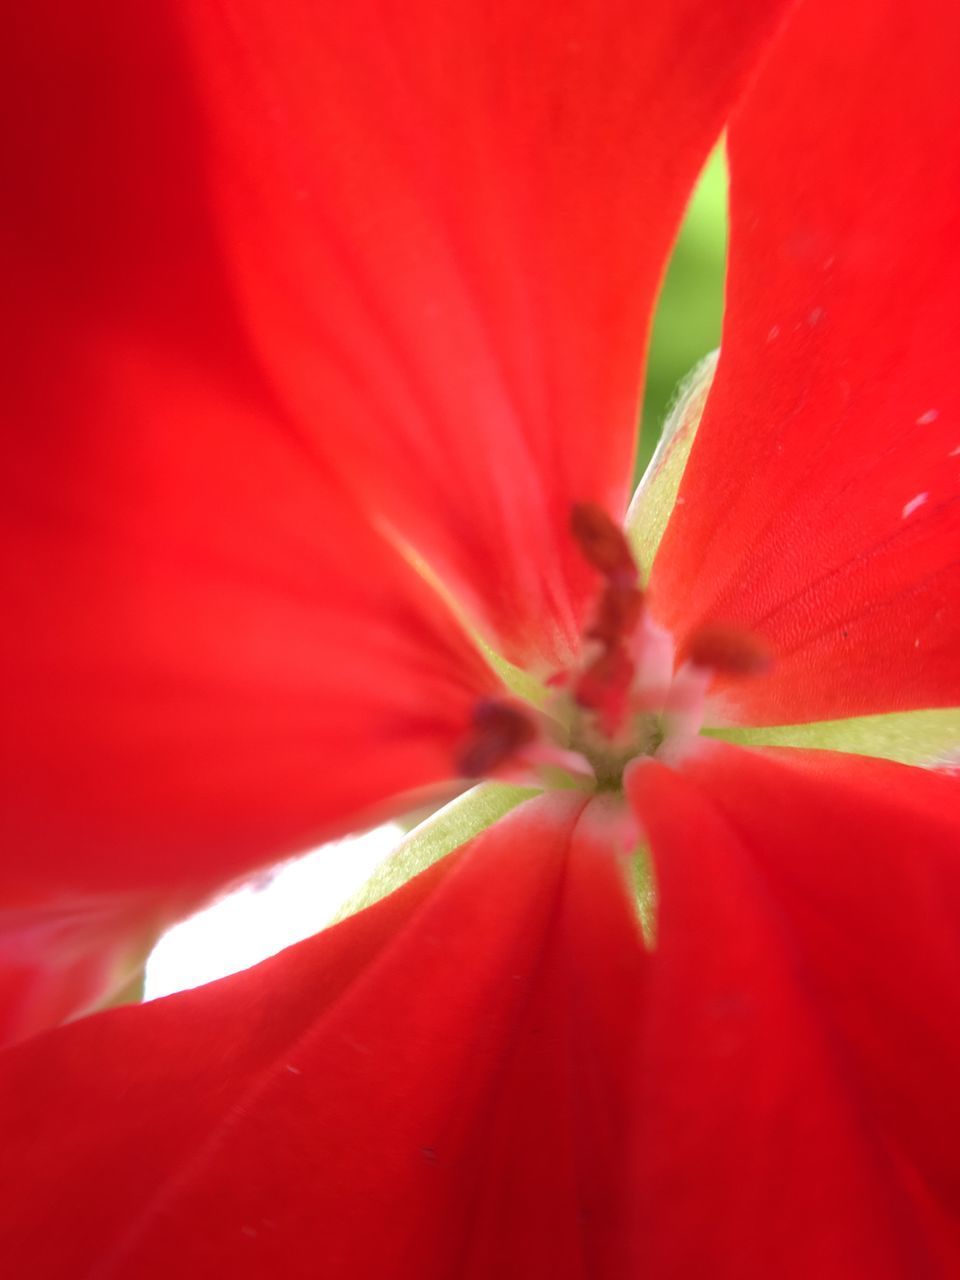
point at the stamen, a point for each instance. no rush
(618, 612)
(727, 650)
(499, 731)
(603, 686)
(602, 542)
(608, 676)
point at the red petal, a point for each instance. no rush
(802, 1044)
(449, 222)
(820, 504)
(209, 659)
(434, 1088)
(65, 959)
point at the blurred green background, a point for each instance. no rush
(687, 321)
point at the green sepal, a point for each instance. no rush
(656, 495)
(441, 833)
(645, 895)
(927, 738)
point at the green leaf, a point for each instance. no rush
(687, 320)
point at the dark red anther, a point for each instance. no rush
(728, 650)
(499, 730)
(606, 679)
(602, 542)
(617, 615)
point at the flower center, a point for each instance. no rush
(630, 693)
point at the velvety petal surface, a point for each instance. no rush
(434, 1087)
(821, 502)
(208, 658)
(448, 223)
(801, 1045)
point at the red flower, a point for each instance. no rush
(311, 310)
